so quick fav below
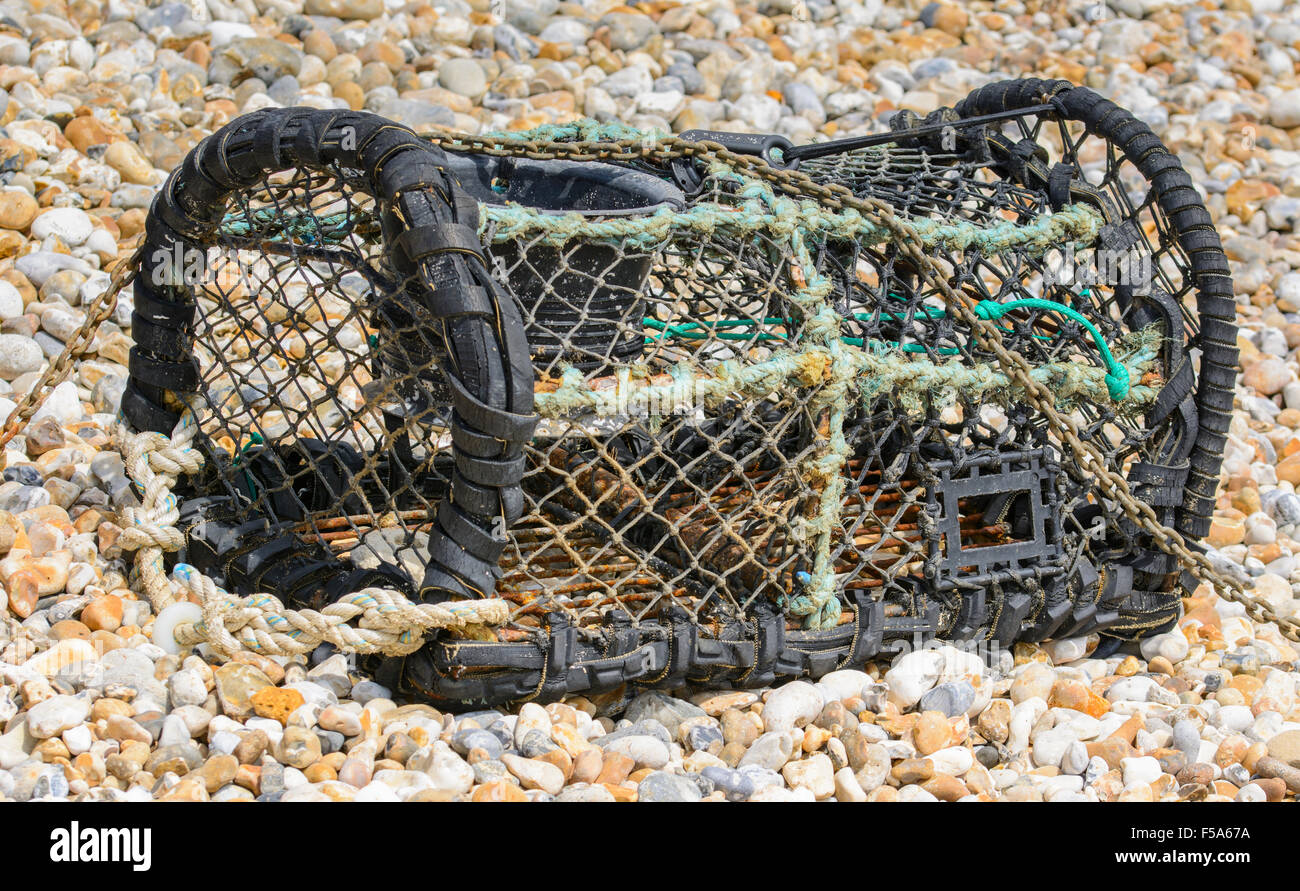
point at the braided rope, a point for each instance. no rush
(386, 622)
(870, 372)
(762, 209)
(153, 463)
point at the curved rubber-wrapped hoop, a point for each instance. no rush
(1194, 229)
(430, 239)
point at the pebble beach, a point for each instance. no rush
(99, 101)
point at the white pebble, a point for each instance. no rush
(69, 224)
(1140, 770)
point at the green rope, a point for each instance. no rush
(582, 130)
(687, 330)
(307, 226)
(254, 439)
(1117, 376)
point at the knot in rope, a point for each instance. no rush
(386, 622)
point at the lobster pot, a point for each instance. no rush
(768, 431)
(582, 300)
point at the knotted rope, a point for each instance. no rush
(153, 462)
(386, 622)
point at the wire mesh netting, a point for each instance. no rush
(645, 481)
(751, 400)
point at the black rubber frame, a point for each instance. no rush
(430, 236)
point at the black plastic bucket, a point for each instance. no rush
(582, 302)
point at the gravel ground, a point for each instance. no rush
(98, 100)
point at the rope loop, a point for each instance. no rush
(1117, 376)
